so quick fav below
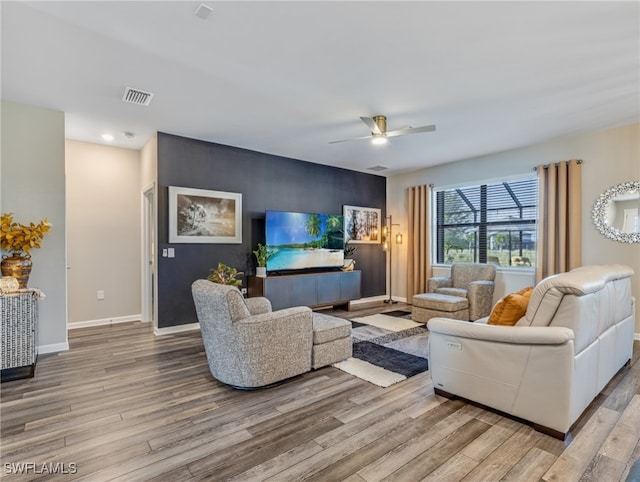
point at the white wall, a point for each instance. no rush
(610, 157)
(149, 162)
(103, 232)
(33, 187)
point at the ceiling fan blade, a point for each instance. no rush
(411, 130)
(371, 124)
(352, 139)
(378, 125)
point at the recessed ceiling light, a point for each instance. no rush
(107, 137)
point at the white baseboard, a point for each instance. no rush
(104, 321)
(55, 348)
(368, 300)
(636, 336)
(170, 330)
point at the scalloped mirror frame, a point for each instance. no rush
(599, 212)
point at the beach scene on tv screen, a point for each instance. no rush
(303, 240)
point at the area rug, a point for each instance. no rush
(387, 348)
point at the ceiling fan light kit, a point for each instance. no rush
(378, 126)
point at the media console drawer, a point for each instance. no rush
(308, 289)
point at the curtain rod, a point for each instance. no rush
(546, 166)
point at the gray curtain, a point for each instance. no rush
(559, 243)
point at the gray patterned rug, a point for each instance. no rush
(387, 348)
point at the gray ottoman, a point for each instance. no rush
(331, 340)
(430, 305)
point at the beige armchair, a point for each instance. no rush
(472, 281)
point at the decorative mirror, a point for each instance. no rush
(616, 212)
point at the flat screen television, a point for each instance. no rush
(303, 241)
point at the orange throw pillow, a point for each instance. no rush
(511, 308)
(526, 291)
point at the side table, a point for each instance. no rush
(19, 322)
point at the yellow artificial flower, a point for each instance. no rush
(16, 237)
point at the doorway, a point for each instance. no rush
(148, 254)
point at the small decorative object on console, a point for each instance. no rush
(262, 255)
(8, 284)
(225, 275)
(349, 263)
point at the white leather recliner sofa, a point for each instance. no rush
(575, 336)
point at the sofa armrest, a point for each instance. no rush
(258, 305)
(528, 372)
(519, 335)
(298, 317)
(480, 298)
(271, 338)
(438, 282)
(262, 349)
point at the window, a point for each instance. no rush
(491, 223)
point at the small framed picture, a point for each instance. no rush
(362, 225)
(203, 216)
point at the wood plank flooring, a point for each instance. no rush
(123, 404)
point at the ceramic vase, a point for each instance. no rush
(17, 265)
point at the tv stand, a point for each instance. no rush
(330, 288)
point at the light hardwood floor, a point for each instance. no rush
(124, 404)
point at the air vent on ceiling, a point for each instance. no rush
(377, 168)
(137, 96)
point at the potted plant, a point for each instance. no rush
(262, 254)
(349, 263)
(19, 239)
(225, 275)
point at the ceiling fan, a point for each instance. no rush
(379, 134)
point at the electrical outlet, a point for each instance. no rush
(244, 291)
(101, 294)
(455, 346)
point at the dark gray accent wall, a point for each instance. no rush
(265, 182)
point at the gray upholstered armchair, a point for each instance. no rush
(248, 345)
(468, 280)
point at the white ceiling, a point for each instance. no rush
(287, 78)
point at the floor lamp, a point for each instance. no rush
(387, 237)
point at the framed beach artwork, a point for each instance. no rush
(362, 225)
(203, 216)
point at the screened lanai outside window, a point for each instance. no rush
(489, 223)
